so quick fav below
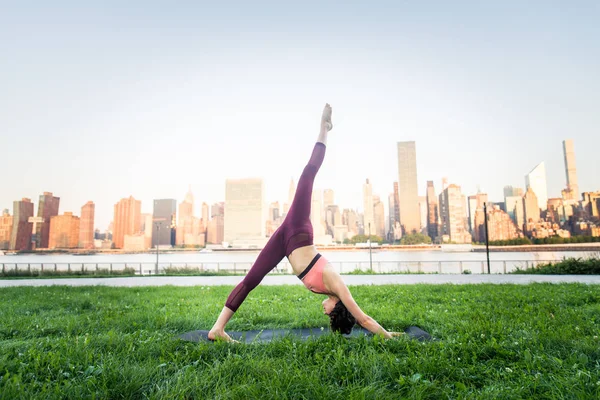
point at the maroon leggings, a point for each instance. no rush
(295, 231)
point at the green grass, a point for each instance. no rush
(497, 341)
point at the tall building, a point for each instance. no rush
(378, 218)
(515, 210)
(215, 227)
(164, 222)
(475, 202)
(185, 219)
(453, 215)
(350, 219)
(408, 188)
(531, 206)
(127, 220)
(510, 191)
(273, 220)
(591, 204)
(369, 218)
(64, 231)
(328, 198)
(536, 180)
(433, 218)
(244, 210)
(205, 213)
(20, 237)
(6, 223)
(291, 194)
(396, 203)
(500, 225)
(86, 226)
(572, 190)
(423, 213)
(47, 208)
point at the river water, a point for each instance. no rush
(380, 261)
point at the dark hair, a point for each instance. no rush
(340, 319)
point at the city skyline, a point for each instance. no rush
(145, 106)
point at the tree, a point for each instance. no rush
(415, 238)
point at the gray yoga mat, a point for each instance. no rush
(267, 335)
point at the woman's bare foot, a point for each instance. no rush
(326, 118)
(220, 335)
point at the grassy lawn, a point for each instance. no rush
(497, 341)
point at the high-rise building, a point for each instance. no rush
(396, 203)
(244, 210)
(215, 230)
(86, 226)
(185, 219)
(378, 217)
(64, 231)
(500, 225)
(475, 202)
(536, 180)
(127, 220)
(390, 234)
(328, 198)
(408, 189)
(453, 215)
(164, 222)
(20, 237)
(369, 218)
(572, 190)
(433, 218)
(515, 210)
(350, 219)
(204, 213)
(291, 194)
(273, 220)
(510, 191)
(47, 208)
(6, 223)
(423, 213)
(591, 204)
(531, 206)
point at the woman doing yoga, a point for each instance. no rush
(294, 240)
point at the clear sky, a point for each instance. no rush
(143, 98)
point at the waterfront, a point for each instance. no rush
(380, 261)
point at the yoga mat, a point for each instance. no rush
(267, 335)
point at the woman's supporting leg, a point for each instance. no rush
(267, 259)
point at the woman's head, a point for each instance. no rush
(340, 319)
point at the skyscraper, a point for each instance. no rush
(536, 180)
(205, 213)
(47, 208)
(453, 215)
(378, 217)
(510, 191)
(572, 191)
(20, 238)
(127, 220)
(64, 231)
(433, 218)
(216, 225)
(86, 226)
(500, 225)
(396, 213)
(408, 188)
(423, 212)
(316, 214)
(475, 202)
(185, 219)
(515, 210)
(531, 206)
(244, 210)
(164, 222)
(6, 223)
(369, 218)
(291, 194)
(328, 198)
(350, 219)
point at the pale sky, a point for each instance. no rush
(100, 102)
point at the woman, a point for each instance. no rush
(294, 240)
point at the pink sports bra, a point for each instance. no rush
(312, 276)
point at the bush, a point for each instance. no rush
(568, 266)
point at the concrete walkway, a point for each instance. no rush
(402, 279)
